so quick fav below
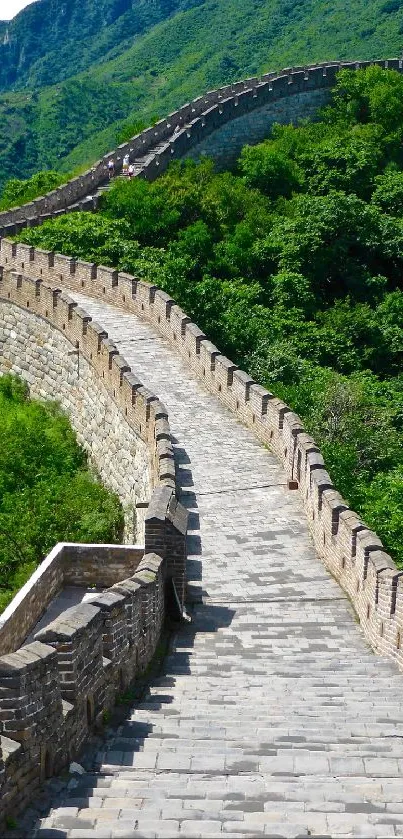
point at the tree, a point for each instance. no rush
(388, 192)
(267, 169)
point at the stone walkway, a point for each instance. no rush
(273, 717)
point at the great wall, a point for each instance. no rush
(272, 716)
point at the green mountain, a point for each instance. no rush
(52, 40)
(115, 62)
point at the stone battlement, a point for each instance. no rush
(351, 552)
(195, 129)
(68, 564)
(54, 690)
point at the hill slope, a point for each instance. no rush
(52, 40)
(133, 73)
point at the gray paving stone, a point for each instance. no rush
(96, 833)
(272, 716)
(202, 829)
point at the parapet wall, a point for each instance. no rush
(194, 129)
(352, 553)
(54, 690)
(141, 410)
(68, 564)
(49, 319)
(225, 143)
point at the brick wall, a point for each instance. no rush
(197, 127)
(53, 691)
(67, 565)
(353, 554)
(64, 356)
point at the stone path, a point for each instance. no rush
(273, 717)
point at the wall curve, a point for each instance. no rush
(54, 369)
(225, 144)
(354, 554)
(197, 127)
(87, 656)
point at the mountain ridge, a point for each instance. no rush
(50, 41)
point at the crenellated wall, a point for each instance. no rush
(354, 555)
(68, 564)
(69, 350)
(225, 143)
(217, 124)
(54, 690)
(142, 412)
(46, 359)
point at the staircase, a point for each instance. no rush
(138, 164)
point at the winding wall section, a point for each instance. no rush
(248, 108)
(272, 717)
(353, 554)
(212, 449)
(53, 694)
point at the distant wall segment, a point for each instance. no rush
(216, 124)
(224, 145)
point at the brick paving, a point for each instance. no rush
(272, 716)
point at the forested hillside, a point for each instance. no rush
(47, 492)
(51, 40)
(137, 59)
(293, 265)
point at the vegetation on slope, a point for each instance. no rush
(50, 41)
(47, 492)
(293, 265)
(137, 59)
(17, 192)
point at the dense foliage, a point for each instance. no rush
(49, 41)
(293, 265)
(17, 192)
(74, 74)
(47, 492)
